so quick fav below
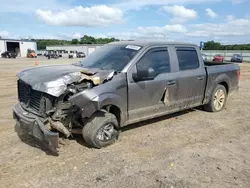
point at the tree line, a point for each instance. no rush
(211, 45)
(42, 43)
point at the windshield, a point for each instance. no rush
(111, 57)
(218, 55)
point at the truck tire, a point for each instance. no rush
(218, 99)
(101, 130)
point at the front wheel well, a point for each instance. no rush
(114, 110)
(225, 85)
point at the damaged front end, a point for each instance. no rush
(44, 110)
(36, 127)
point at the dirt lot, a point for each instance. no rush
(189, 149)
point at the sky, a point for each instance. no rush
(225, 21)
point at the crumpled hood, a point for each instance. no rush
(54, 79)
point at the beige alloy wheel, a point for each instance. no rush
(219, 99)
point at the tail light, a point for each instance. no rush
(238, 75)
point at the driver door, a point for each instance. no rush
(148, 98)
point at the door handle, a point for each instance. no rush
(201, 77)
(171, 82)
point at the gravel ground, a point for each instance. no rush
(188, 149)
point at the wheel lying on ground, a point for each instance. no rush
(101, 130)
(218, 99)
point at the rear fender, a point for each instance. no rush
(213, 82)
(223, 78)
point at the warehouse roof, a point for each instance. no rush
(20, 40)
(75, 45)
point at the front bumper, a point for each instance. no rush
(34, 126)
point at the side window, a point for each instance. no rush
(158, 59)
(188, 58)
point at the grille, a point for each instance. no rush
(37, 101)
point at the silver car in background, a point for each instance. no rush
(237, 58)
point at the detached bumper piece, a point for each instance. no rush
(35, 127)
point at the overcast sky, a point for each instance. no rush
(226, 21)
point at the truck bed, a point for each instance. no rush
(217, 70)
(210, 63)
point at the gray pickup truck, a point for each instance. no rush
(119, 84)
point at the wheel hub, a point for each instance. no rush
(219, 99)
(106, 133)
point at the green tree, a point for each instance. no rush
(211, 45)
(87, 40)
(42, 43)
(74, 41)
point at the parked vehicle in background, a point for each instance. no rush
(31, 53)
(204, 56)
(8, 54)
(53, 55)
(80, 55)
(237, 58)
(72, 54)
(218, 58)
(120, 83)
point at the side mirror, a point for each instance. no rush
(143, 75)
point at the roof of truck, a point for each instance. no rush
(149, 43)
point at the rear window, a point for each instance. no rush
(187, 58)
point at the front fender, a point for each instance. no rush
(115, 100)
(89, 105)
(110, 99)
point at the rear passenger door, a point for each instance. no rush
(191, 78)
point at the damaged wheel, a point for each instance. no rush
(101, 130)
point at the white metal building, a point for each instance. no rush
(69, 49)
(18, 46)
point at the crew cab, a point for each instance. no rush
(119, 84)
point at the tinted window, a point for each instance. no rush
(158, 59)
(188, 58)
